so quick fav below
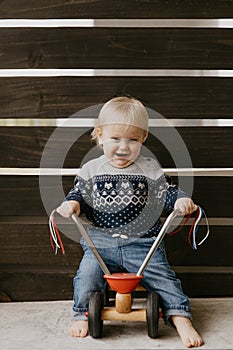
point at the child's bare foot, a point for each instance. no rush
(187, 333)
(79, 329)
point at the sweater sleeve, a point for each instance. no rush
(81, 193)
(173, 192)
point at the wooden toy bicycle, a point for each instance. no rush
(125, 283)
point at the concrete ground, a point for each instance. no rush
(43, 326)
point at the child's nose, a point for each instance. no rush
(123, 144)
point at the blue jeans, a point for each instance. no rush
(120, 257)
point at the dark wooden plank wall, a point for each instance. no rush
(116, 9)
(127, 48)
(61, 97)
(28, 268)
(26, 145)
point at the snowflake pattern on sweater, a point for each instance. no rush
(126, 202)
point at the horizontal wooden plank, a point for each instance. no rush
(24, 146)
(117, 9)
(44, 286)
(126, 48)
(22, 195)
(40, 286)
(29, 245)
(207, 285)
(180, 253)
(61, 97)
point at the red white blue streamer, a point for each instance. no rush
(55, 238)
(192, 235)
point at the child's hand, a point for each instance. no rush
(185, 206)
(66, 209)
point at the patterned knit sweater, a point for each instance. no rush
(125, 202)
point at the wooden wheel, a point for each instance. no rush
(152, 314)
(95, 323)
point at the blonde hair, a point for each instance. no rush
(126, 111)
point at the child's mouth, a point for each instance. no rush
(122, 155)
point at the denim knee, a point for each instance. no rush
(89, 278)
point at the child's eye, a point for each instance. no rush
(133, 140)
(115, 138)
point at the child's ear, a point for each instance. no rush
(145, 136)
(99, 134)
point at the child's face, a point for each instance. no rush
(121, 145)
